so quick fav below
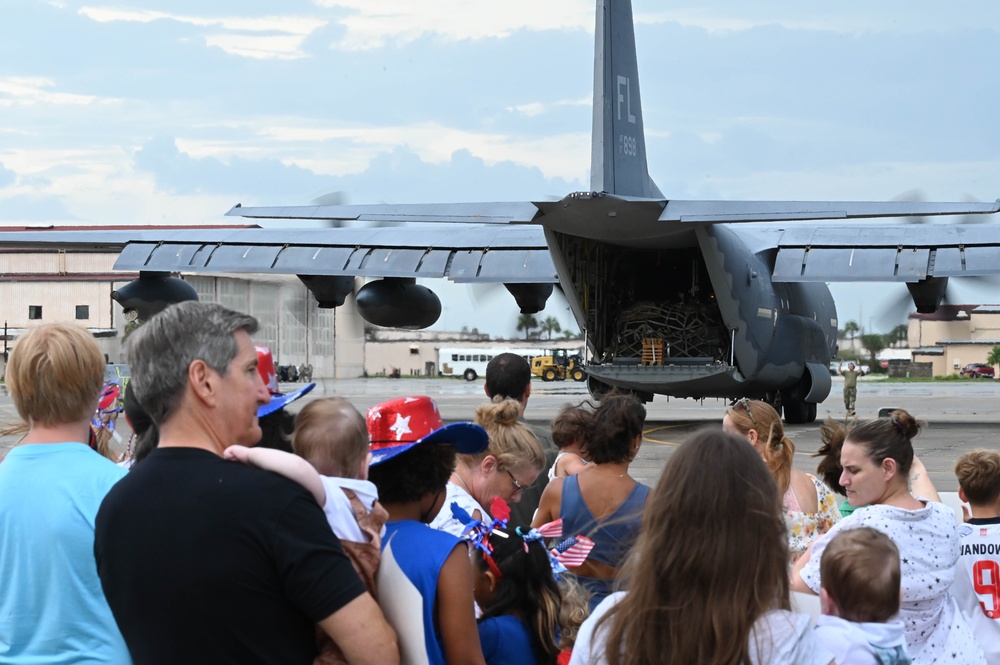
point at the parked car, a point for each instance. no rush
(977, 371)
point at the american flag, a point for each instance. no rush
(572, 551)
(551, 529)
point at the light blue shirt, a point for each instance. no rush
(52, 608)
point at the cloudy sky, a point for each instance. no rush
(145, 111)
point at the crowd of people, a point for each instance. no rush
(237, 531)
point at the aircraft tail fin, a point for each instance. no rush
(618, 159)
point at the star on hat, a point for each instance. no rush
(401, 426)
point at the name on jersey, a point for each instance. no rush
(980, 548)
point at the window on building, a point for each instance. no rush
(34, 312)
(82, 312)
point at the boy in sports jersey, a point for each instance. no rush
(977, 579)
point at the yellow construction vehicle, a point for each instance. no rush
(558, 366)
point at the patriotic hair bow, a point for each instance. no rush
(478, 532)
(569, 553)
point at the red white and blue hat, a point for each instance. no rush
(265, 367)
(399, 424)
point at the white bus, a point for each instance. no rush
(470, 362)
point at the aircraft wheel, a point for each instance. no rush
(549, 375)
(796, 411)
(578, 375)
(470, 375)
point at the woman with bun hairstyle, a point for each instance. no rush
(505, 469)
(876, 459)
(809, 506)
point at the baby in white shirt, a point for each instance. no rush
(859, 596)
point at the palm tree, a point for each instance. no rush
(551, 325)
(851, 329)
(526, 322)
(899, 334)
(994, 357)
(873, 344)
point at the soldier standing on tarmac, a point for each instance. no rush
(850, 385)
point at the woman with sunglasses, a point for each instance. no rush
(603, 502)
(810, 507)
(505, 469)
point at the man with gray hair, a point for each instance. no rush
(204, 560)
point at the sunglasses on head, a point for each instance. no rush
(745, 403)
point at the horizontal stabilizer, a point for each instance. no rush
(438, 213)
(778, 211)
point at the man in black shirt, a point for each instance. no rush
(203, 560)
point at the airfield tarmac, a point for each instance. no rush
(961, 415)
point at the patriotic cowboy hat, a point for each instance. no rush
(399, 424)
(265, 366)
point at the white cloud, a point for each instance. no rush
(27, 91)
(556, 155)
(533, 109)
(286, 33)
(374, 24)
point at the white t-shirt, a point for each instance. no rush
(977, 582)
(444, 521)
(337, 508)
(862, 643)
(785, 638)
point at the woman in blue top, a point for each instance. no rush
(602, 502)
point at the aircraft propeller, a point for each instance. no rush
(927, 295)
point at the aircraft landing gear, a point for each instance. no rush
(793, 402)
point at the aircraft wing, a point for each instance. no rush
(897, 253)
(470, 253)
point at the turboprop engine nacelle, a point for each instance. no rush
(151, 294)
(398, 302)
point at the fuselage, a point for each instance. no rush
(687, 310)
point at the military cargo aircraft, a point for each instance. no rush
(677, 297)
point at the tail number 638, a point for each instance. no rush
(627, 145)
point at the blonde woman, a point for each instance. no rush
(809, 506)
(505, 469)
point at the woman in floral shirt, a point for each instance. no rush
(810, 507)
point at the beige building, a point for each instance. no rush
(954, 336)
(44, 287)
